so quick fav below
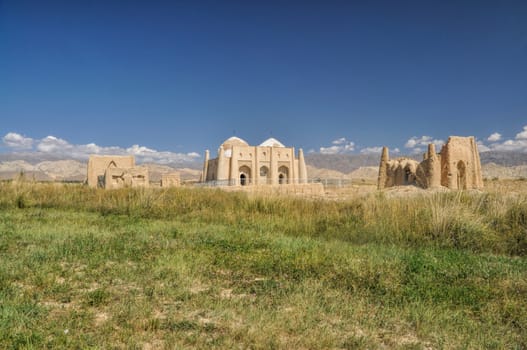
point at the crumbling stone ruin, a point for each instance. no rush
(457, 166)
(97, 166)
(112, 172)
(269, 163)
(126, 177)
(170, 180)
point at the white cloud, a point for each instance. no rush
(482, 147)
(17, 141)
(371, 150)
(522, 135)
(377, 150)
(330, 150)
(419, 143)
(51, 145)
(518, 144)
(414, 141)
(418, 150)
(340, 141)
(494, 137)
(340, 146)
(510, 145)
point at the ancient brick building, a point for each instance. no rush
(238, 163)
(116, 172)
(457, 166)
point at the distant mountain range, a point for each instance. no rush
(504, 158)
(46, 168)
(347, 163)
(75, 171)
(344, 163)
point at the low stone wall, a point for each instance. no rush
(309, 190)
(170, 180)
(126, 177)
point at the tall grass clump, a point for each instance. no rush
(449, 219)
(479, 222)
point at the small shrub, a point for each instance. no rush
(97, 297)
(20, 201)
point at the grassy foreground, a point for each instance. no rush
(191, 268)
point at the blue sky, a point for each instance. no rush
(334, 76)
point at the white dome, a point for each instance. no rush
(272, 142)
(234, 141)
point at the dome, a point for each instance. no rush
(272, 142)
(233, 141)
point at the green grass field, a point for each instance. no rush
(198, 268)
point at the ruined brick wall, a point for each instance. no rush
(126, 177)
(97, 166)
(170, 180)
(458, 166)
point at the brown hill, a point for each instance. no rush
(156, 170)
(73, 170)
(493, 171)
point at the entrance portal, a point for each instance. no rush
(283, 175)
(245, 175)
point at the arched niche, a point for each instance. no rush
(244, 175)
(283, 175)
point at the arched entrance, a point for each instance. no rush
(283, 175)
(409, 174)
(245, 175)
(461, 175)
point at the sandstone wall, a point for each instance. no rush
(126, 177)
(170, 180)
(458, 166)
(307, 190)
(97, 166)
(429, 170)
(238, 163)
